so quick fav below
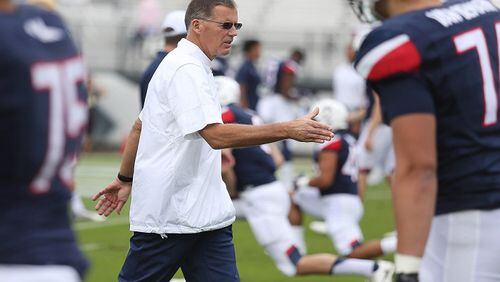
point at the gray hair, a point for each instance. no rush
(202, 9)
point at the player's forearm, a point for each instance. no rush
(287, 83)
(130, 152)
(229, 178)
(357, 116)
(221, 136)
(376, 116)
(322, 182)
(414, 196)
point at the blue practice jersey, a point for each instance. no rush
(445, 61)
(43, 114)
(346, 173)
(254, 165)
(148, 74)
(248, 76)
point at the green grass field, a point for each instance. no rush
(106, 243)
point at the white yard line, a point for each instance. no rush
(97, 225)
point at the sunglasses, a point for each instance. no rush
(226, 25)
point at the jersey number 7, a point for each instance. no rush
(475, 39)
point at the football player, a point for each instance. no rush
(266, 203)
(436, 69)
(173, 29)
(43, 114)
(332, 195)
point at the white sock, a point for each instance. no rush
(353, 266)
(298, 233)
(77, 206)
(389, 244)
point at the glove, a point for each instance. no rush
(301, 181)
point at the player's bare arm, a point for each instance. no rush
(327, 164)
(115, 195)
(243, 96)
(375, 121)
(305, 129)
(415, 181)
(276, 154)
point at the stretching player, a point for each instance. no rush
(266, 204)
(332, 194)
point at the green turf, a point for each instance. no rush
(106, 244)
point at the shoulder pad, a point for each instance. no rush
(333, 145)
(228, 115)
(386, 53)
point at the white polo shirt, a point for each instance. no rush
(177, 185)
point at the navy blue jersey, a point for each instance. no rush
(254, 165)
(220, 66)
(148, 74)
(345, 181)
(248, 76)
(444, 61)
(43, 114)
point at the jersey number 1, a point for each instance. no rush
(67, 116)
(475, 39)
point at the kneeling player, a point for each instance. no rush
(332, 194)
(266, 204)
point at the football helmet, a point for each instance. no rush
(229, 90)
(365, 10)
(332, 113)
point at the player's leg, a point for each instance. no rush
(295, 218)
(487, 266)
(38, 273)
(375, 248)
(291, 262)
(154, 257)
(267, 212)
(307, 200)
(273, 231)
(212, 258)
(462, 246)
(343, 213)
(365, 162)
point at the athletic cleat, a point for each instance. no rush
(88, 215)
(383, 273)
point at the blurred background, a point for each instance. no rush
(119, 38)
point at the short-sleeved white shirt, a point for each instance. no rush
(177, 185)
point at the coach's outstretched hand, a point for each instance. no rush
(306, 129)
(115, 195)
